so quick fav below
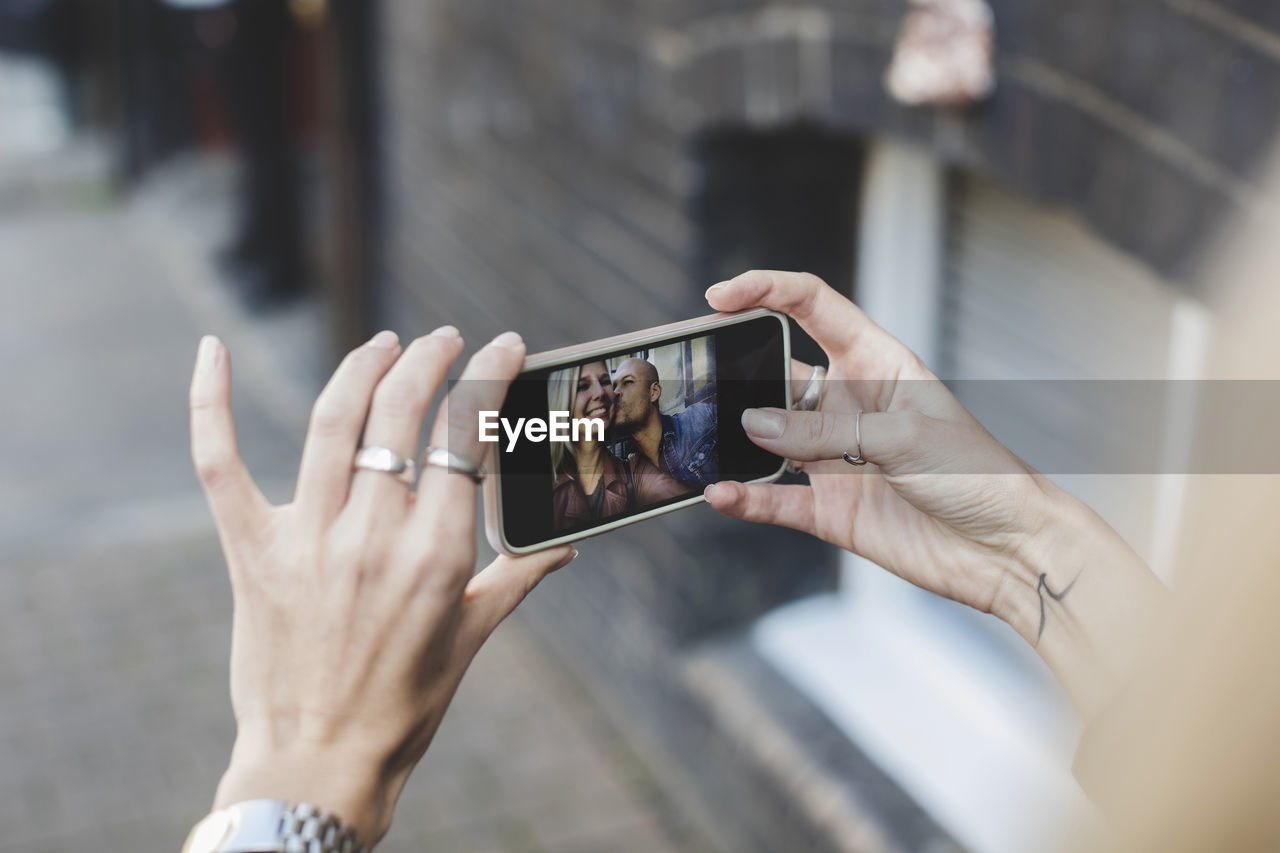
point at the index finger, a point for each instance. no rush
(235, 500)
(832, 320)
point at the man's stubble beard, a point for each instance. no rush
(621, 430)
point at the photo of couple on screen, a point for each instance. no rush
(658, 410)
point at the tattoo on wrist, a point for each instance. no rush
(1042, 589)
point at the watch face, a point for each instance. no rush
(210, 833)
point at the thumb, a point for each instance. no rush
(499, 588)
(900, 443)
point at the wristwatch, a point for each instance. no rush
(272, 826)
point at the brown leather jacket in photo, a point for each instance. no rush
(648, 486)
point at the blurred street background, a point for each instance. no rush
(1019, 190)
(115, 723)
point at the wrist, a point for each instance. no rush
(1082, 598)
(1050, 554)
(346, 784)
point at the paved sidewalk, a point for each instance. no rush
(114, 608)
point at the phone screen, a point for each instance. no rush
(636, 430)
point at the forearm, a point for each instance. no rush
(1084, 600)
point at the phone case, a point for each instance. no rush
(577, 353)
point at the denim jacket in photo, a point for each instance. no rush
(688, 450)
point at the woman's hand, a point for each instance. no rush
(356, 611)
(958, 536)
(942, 504)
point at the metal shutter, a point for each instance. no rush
(1029, 293)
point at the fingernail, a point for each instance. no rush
(721, 286)
(573, 555)
(446, 332)
(763, 423)
(207, 352)
(510, 340)
(711, 491)
(385, 339)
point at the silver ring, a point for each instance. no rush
(386, 461)
(857, 437)
(814, 391)
(810, 399)
(443, 457)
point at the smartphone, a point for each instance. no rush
(608, 433)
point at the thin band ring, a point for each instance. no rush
(384, 460)
(814, 390)
(856, 461)
(443, 457)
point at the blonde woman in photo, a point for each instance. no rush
(591, 483)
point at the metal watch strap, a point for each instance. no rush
(272, 826)
(307, 829)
